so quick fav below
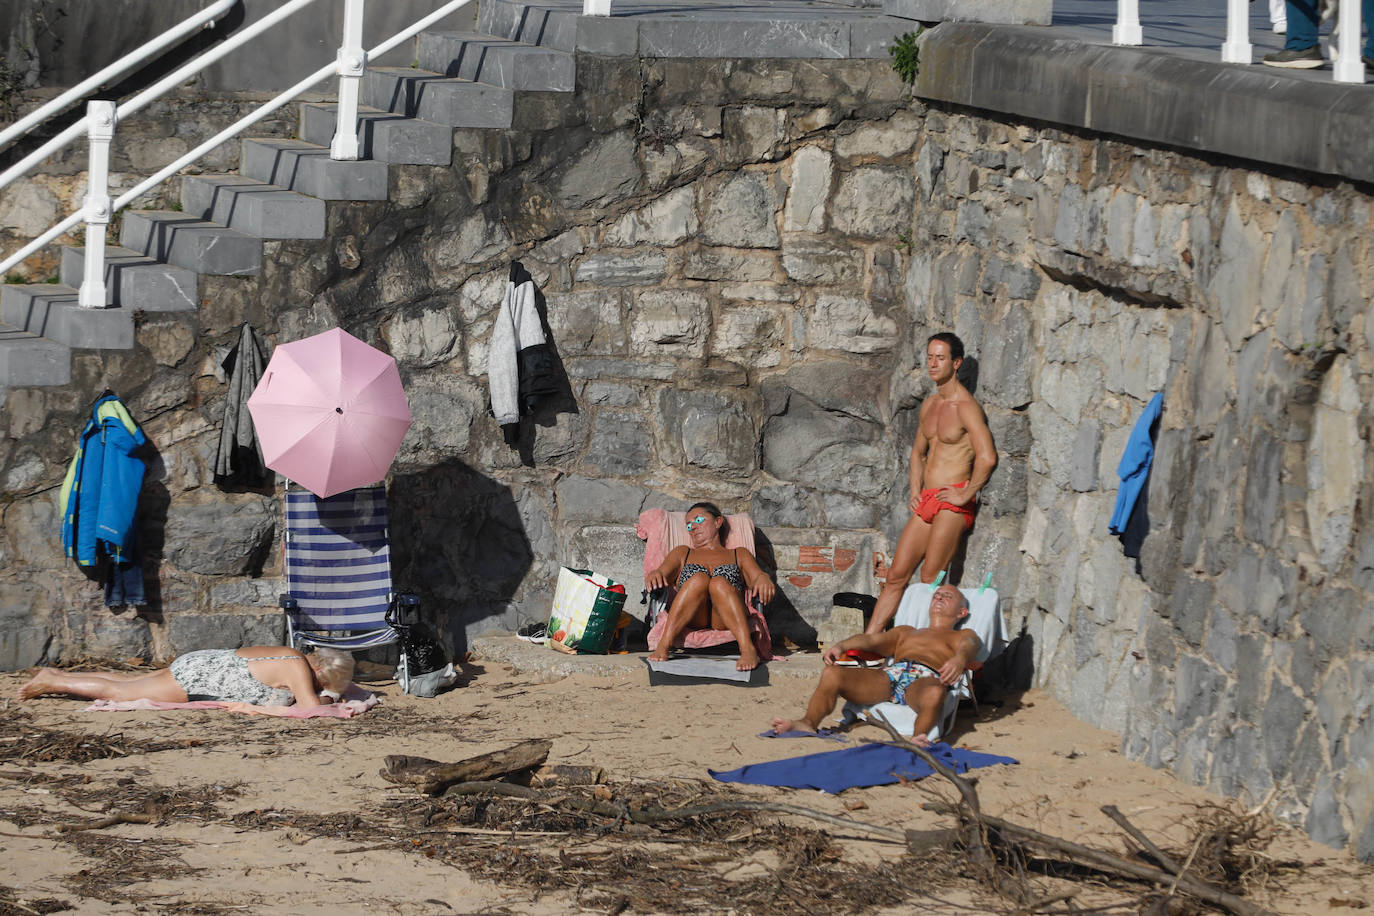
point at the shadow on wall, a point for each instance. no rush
(968, 374)
(457, 541)
(1013, 670)
(784, 620)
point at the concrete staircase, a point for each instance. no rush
(461, 80)
(407, 116)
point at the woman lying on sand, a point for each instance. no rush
(710, 582)
(261, 675)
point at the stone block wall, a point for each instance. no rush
(740, 266)
(1236, 649)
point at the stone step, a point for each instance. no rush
(28, 359)
(438, 98)
(135, 281)
(253, 207)
(50, 310)
(384, 135)
(534, 25)
(307, 168)
(196, 244)
(496, 61)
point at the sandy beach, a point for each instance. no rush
(263, 815)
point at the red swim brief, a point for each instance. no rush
(931, 503)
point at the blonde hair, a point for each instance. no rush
(333, 667)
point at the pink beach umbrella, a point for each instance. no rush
(330, 412)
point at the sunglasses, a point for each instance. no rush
(696, 522)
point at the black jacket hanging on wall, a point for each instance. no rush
(240, 457)
(520, 363)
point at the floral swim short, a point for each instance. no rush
(903, 674)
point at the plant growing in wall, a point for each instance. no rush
(11, 90)
(906, 56)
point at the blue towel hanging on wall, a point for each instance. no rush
(1135, 464)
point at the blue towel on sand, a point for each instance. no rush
(851, 767)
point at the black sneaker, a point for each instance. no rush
(533, 632)
(1306, 59)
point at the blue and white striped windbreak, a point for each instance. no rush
(338, 559)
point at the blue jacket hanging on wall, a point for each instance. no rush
(100, 494)
(1135, 464)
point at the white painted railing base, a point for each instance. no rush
(596, 7)
(1349, 68)
(1237, 49)
(1127, 29)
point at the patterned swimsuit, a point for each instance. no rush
(223, 675)
(903, 674)
(727, 571)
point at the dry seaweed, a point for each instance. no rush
(118, 862)
(23, 742)
(12, 904)
(755, 863)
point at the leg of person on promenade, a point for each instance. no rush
(1278, 16)
(1301, 49)
(1367, 17)
(159, 686)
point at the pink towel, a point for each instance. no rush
(359, 701)
(662, 531)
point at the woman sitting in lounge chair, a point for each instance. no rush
(261, 675)
(711, 583)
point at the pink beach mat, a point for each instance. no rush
(356, 701)
(662, 531)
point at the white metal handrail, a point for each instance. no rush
(349, 65)
(205, 19)
(160, 88)
(1348, 68)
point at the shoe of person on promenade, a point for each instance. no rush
(1306, 59)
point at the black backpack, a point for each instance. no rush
(423, 651)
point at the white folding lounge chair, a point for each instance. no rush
(338, 573)
(984, 619)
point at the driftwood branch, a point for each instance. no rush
(978, 843)
(110, 821)
(1134, 832)
(1114, 864)
(975, 839)
(432, 777)
(665, 815)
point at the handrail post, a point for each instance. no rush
(100, 127)
(596, 7)
(1127, 28)
(352, 61)
(1349, 67)
(1237, 50)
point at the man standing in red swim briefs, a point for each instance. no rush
(951, 460)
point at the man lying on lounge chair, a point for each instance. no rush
(925, 664)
